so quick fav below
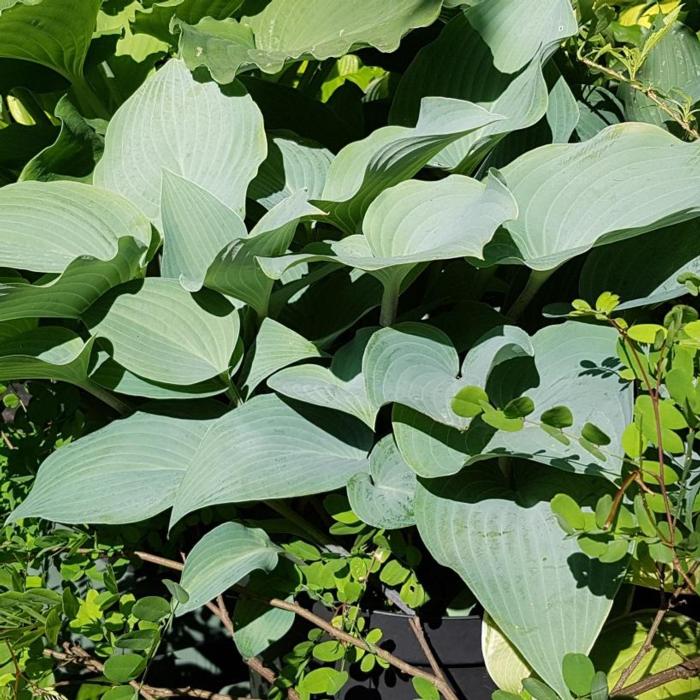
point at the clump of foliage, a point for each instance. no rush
(285, 340)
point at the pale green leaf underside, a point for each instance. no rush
(44, 226)
(383, 497)
(294, 29)
(71, 293)
(174, 122)
(269, 449)
(45, 353)
(575, 196)
(542, 591)
(221, 559)
(161, 332)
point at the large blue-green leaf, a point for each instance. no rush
(546, 596)
(459, 64)
(276, 346)
(415, 366)
(221, 559)
(296, 29)
(174, 122)
(292, 164)
(516, 32)
(125, 472)
(163, 333)
(383, 496)
(416, 222)
(266, 449)
(392, 154)
(341, 387)
(44, 226)
(575, 196)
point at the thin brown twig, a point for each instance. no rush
(417, 628)
(688, 668)
(646, 90)
(403, 666)
(74, 654)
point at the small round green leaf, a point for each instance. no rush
(558, 417)
(124, 667)
(578, 671)
(468, 401)
(568, 512)
(139, 640)
(152, 608)
(120, 692)
(594, 434)
(519, 408)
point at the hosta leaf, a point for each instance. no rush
(161, 332)
(111, 375)
(53, 33)
(516, 33)
(572, 365)
(341, 387)
(415, 365)
(416, 222)
(276, 346)
(44, 226)
(392, 154)
(270, 449)
(562, 111)
(70, 294)
(196, 226)
(555, 187)
(546, 596)
(256, 624)
(521, 100)
(128, 471)
(295, 29)
(236, 271)
(672, 67)
(383, 497)
(221, 559)
(644, 270)
(45, 353)
(155, 20)
(173, 122)
(74, 152)
(292, 164)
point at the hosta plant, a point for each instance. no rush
(283, 312)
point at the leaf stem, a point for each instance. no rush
(107, 397)
(390, 302)
(287, 512)
(534, 283)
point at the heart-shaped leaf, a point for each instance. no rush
(546, 596)
(173, 122)
(163, 333)
(383, 497)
